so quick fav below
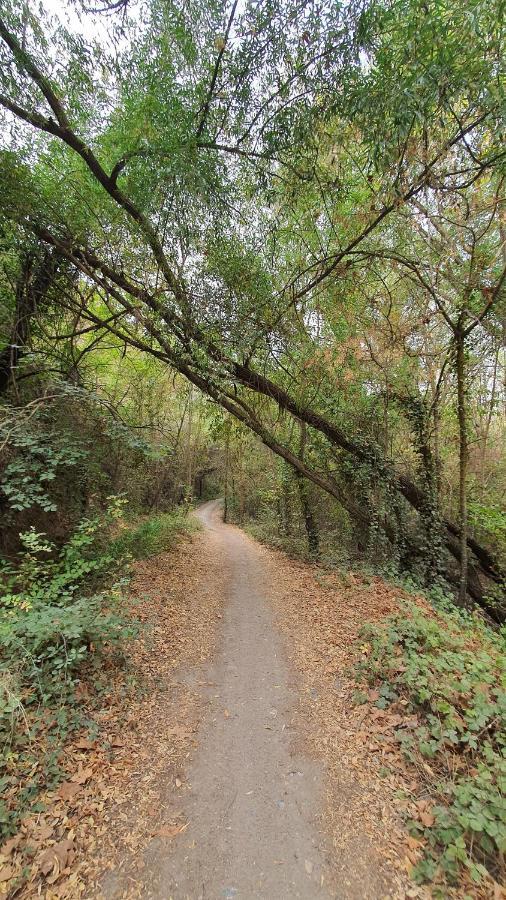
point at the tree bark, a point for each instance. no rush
(463, 460)
(34, 281)
(313, 538)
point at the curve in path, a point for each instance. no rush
(253, 799)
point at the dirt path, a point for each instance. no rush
(270, 787)
(229, 758)
(251, 800)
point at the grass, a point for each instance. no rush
(152, 535)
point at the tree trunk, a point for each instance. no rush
(463, 460)
(34, 281)
(227, 461)
(189, 449)
(313, 538)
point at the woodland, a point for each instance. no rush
(254, 250)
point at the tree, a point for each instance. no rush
(235, 209)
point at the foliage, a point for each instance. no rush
(296, 211)
(45, 574)
(63, 614)
(153, 535)
(448, 669)
(491, 518)
(52, 626)
(38, 459)
(299, 213)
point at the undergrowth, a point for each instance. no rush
(64, 620)
(153, 535)
(447, 669)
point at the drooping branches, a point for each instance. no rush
(158, 265)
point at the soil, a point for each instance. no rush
(249, 817)
(231, 760)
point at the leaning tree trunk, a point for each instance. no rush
(463, 460)
(34, 280)
(313, 538)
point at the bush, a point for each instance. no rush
(448, 669)
(58, 612)
(49, 613)
(153, 535)
(60, 617)
(46, 645)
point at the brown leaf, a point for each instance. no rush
(43, 832)
(427, 819)
(6, 873)
(67, 790)
(47, 862)
(55, 859)
(82, 776)
(10, 845)
(84, 744)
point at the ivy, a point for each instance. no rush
(449, 670)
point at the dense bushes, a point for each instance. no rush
(153, 535)
(64, 619)
(448, 670)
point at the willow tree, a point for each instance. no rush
(213, 171)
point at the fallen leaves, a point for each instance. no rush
(68, 790)
(55, 860)
(170, 831)
(100, 813)
(82, 776)
(6, 873)
(321, 623)
(425, 814)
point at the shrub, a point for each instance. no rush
(153, 535)
(448, 669)
(58, 611)
(50, 616)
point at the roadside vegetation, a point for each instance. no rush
(443, 676)
(65, 623)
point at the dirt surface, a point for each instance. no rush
(250, 799)
(243, 769)
(255, 815)
(369, 791)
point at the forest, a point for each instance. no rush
(256, 251)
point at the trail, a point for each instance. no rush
(250, 771)
(252, 799)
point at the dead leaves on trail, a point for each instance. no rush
(120, 781)
(371, 791)
(369, 788)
